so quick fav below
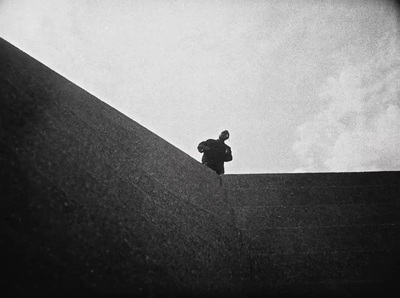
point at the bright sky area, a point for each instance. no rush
(302, 86)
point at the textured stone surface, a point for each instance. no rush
(91, 202)
(318, 234)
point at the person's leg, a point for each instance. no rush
(216, 167)
(210, 165)
(220, 169)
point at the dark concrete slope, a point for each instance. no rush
(91, 201)
(319, 234)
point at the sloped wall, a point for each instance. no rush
(91, 201)
(335, 233)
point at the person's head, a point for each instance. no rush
(224, 135)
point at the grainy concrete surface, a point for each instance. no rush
(325, 233)
(91, 202)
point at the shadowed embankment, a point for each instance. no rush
(93, 202)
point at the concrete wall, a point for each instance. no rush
(318, 233)
(92, 202)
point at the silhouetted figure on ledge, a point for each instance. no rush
(216, 152)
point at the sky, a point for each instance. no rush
(301, 85)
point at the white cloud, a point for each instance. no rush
(358, 128)
(369, 149)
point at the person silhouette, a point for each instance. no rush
(216, 152)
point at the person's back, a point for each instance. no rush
(216, 152)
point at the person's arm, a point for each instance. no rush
(202, 147)
(228, 154)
